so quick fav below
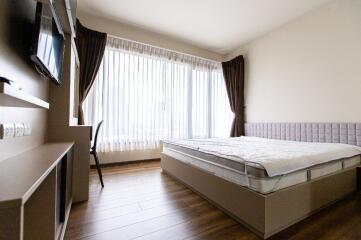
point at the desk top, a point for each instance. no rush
(21, 175)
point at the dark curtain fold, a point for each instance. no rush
(90, 46)
(233, 72)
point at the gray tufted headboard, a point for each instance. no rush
(349, 133)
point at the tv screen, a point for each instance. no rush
(48, 47)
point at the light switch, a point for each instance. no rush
(27, 129)
(19, 130)
(7, 131)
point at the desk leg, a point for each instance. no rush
(11, 223)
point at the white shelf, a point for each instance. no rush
(12, 97)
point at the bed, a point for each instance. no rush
(278, 168)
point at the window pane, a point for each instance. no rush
(144, 100)
(221, 114)
(200, 102)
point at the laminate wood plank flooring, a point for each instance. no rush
(141, 202)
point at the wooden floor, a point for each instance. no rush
(140, 202)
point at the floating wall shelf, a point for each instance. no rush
(12, 97)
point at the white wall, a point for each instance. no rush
(309, 70)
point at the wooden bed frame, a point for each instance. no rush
(266, 214)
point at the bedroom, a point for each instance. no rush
(180, 119)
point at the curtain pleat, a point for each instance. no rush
(90, 46)
(233, 72)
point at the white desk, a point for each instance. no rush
(29, 192)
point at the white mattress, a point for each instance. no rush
(262, 184)
(277, 157)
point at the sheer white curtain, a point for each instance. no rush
(146, 94)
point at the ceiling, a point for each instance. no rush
(220, 26)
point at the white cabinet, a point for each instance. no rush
(36, 193)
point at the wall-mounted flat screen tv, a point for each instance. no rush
(48, 44)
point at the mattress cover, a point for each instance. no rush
(276, 157)
(242, 167)
(261, 184)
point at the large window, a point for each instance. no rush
(144, 99)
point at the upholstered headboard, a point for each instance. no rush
(349, 133)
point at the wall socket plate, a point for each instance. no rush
(7, 131)
(19, 129)
(27, 129)
(11, 130)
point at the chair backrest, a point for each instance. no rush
(96, 135)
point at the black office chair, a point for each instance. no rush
(93, 151)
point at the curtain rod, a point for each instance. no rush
(162, 48)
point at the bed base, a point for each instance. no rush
(264, 214)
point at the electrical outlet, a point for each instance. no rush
(19, 130)
(7, 131)
(27, 129)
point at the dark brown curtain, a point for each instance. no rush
(233, 72)
(90, 45)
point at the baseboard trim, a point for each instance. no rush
(114, 164)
